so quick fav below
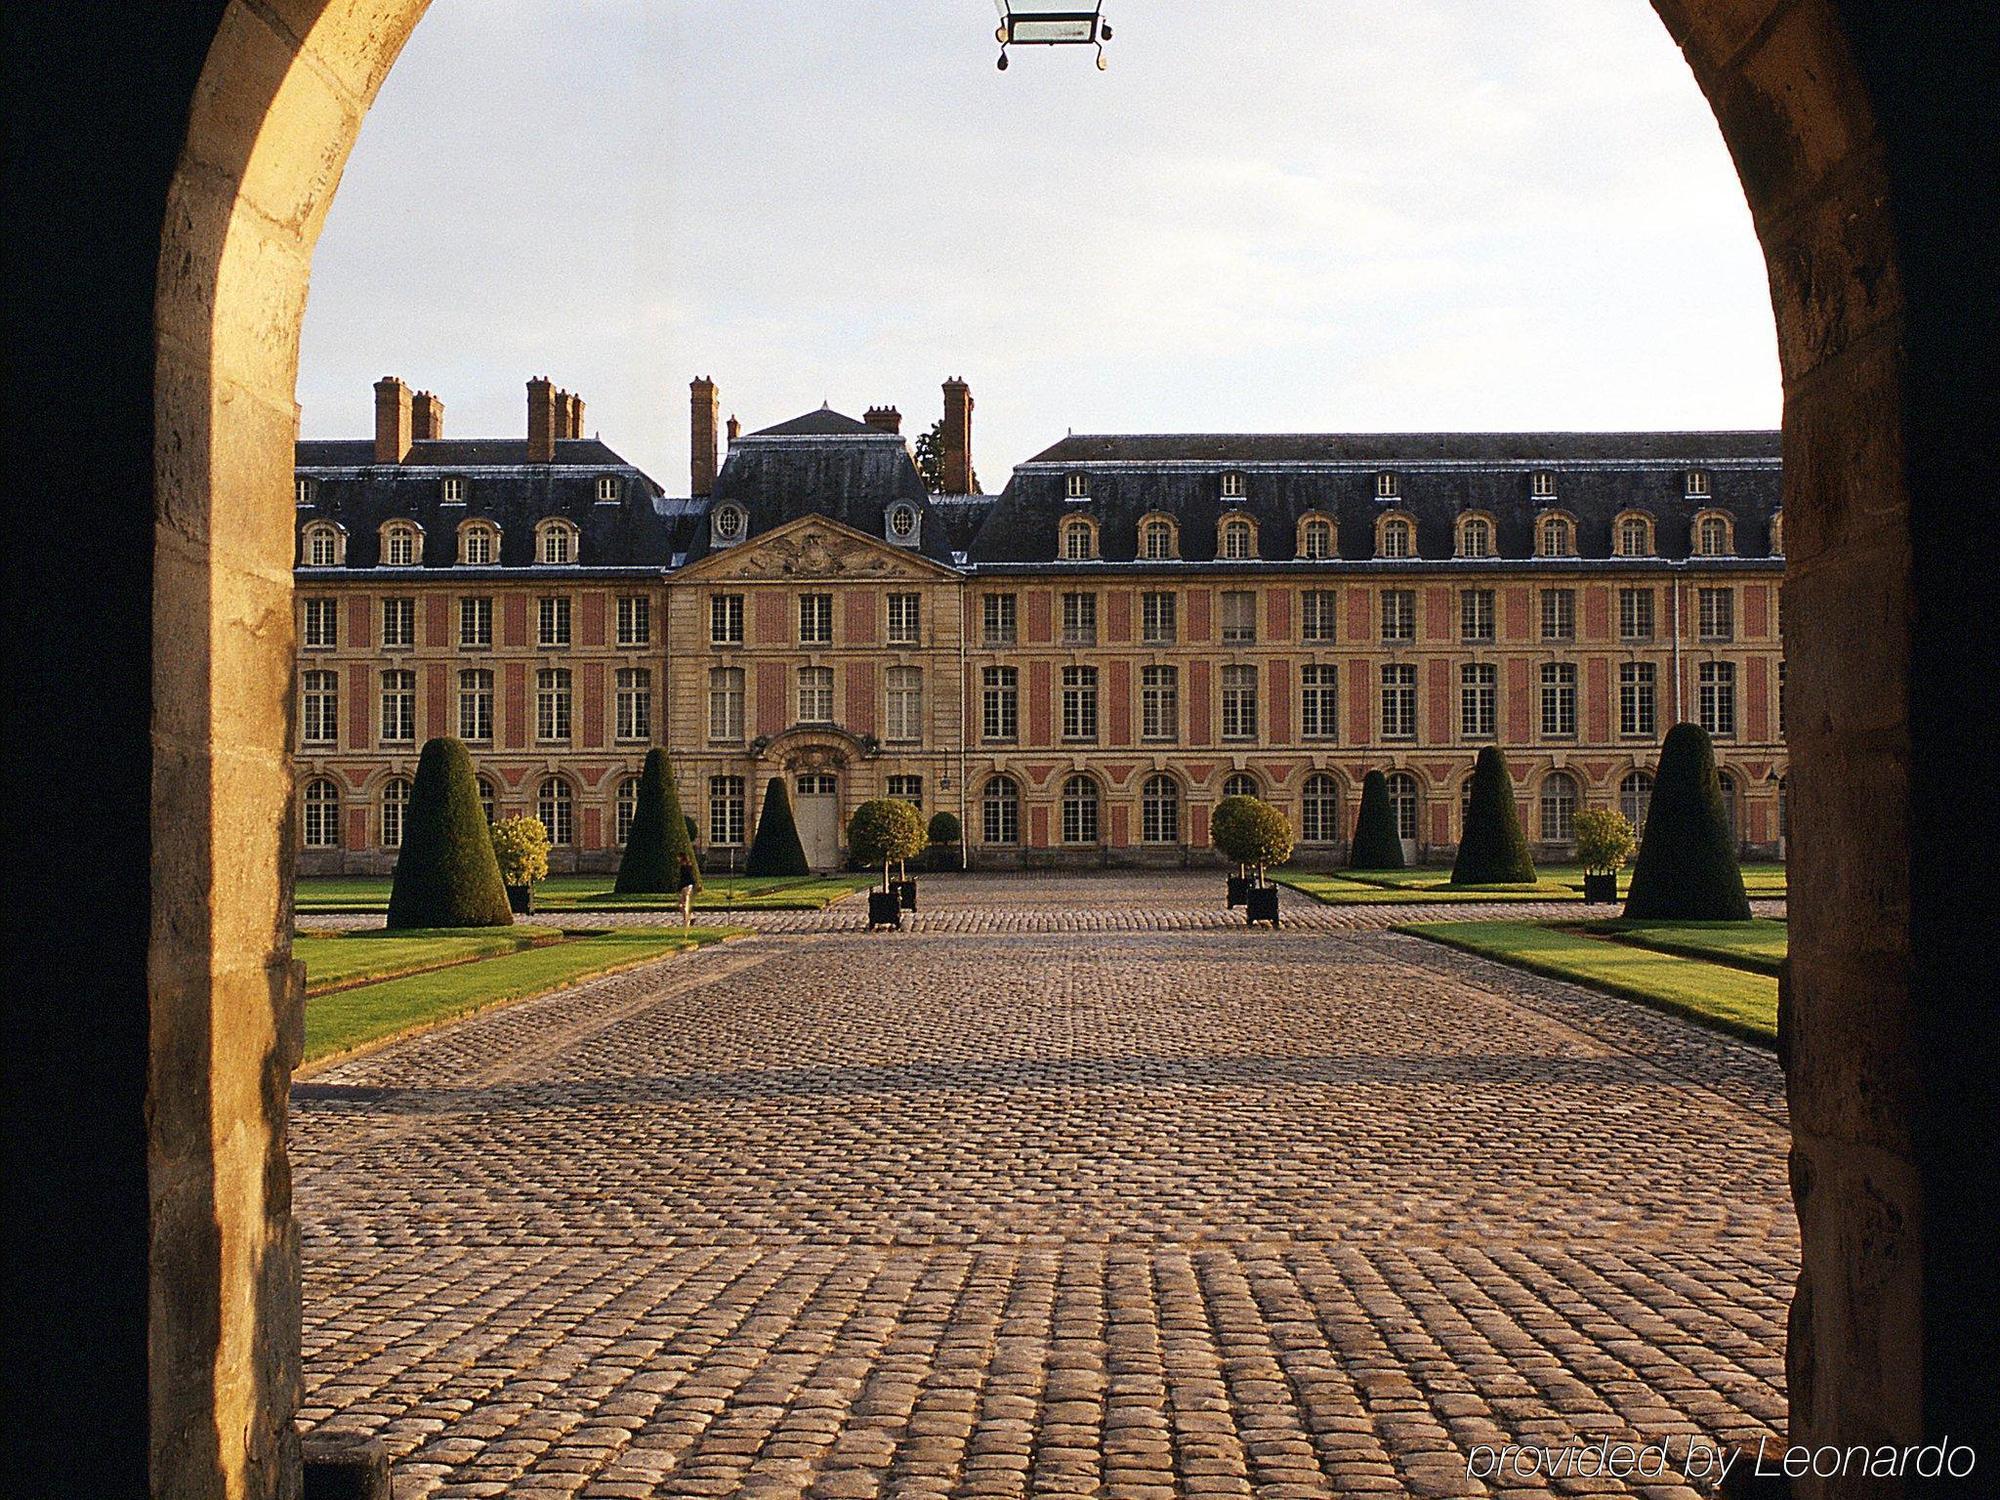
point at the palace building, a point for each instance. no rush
(1079, 666)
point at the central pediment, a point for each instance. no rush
(814, 549)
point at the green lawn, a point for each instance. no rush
(334, 960)
(1717, 995)
(370, 893)
(1757, 945)
(1433, 883)
(346, 1019)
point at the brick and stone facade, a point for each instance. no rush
(1079, 666)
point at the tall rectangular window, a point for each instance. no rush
(725, 619)
(1478, 700)
(553, 622)
(475, 623)
(399, 707)
(725, 812)
(475, 705)
(399, 622)
(1399, 614)
(905, 619)
(815, 619)
(725, 704)
(1079, 619)
(319, 716)
(1635, 614)
(815, 695)
(1239, 616)
(1159, 703)
(1079, 703)
(1717, 614)
(1239, 703)
(635, 620)
(1558, 614)
(1319, 702)
(1475, 614)
(1638, 704)
(1319, 610)
(1559, 699)
(997, 619)
(1716, 697)
(552, 705)
(908, 789)
(906, 704)
(1399, 701)
(1159, 618)
(999, 704)
(1781, 699)
(635, 703)
(322, 624)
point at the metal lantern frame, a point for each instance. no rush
(1026, 24)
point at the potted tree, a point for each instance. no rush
(521, 845)
(1254, 835)
(445, 871)
(885, 831)
(1604, 841)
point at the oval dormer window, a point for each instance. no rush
(728, 524)
(903, 525)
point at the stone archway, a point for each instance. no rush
(181, 166)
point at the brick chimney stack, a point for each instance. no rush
(392, 420)
(576, 416)
(884, 419)
(426, 417)
(735, 430)
(542, 420)
(702, 409)
(955, 443)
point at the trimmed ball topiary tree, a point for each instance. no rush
(776, 850)
(1491, 851)
(945, 832)
(659, 839)
(446, 874)
(885, 831)
(1249, 831)
(1687, 870)
(1376, 844)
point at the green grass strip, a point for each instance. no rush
(1727, 999)
(363, 894)
(335, 960)
(349, 1019)
(1365, 890)
(1758, 945)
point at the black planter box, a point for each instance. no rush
(1239, 889)
(906, 893)
(1263, 903)
(1601, 888)
(521, 900)
(884, 910)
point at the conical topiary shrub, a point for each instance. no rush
(1491, 850)
(1376, 843)
(446, 873)
(1687, 868)
(776, 849)
(659, 836)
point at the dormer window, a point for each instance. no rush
(1398, 538)
(1542, 484)
(1697, 482)
(900, 524)
(1316, 538)
(610, 488)
(1556, 537)
(303, 490)
(1076, 486)
(1475, 537)
(1239, 539)
(727, 525)
(1634, 535)
(1079, 540)
(1777, 533)
(1386, 487)
(452, 491)
(478, 544)
(555, 543)
(1232, 486)
(1157, 539)
(400, 541)
(1712, 536)
(322, 545)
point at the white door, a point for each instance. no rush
(816, 804)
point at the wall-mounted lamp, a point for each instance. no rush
(1026, 24)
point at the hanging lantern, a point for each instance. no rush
(1024, 23)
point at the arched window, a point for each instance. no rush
(555, 543)
(1777, 533)
(321, 547)
(322, 814)
(1403, 801)
(1712, 536)
(1558, 808)
(478, 544)
(1241, 784)
(1000, 811)
(1160, 810)
(1316, 538)
(1557, 537)
(1475, 537)
(1319, 821)
(1635, 796)
(395, 801)
(1079, 540)
(1239, 539)
(401, 544)
(489, 798)
(1157, 539)
(1728, 784)
(555, 805)
(1633, 536)
(1397, 538)
(628, 808)
(1079, 810)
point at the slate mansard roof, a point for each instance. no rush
(1439, 476)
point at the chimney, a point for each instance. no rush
(576, 416)
(701, 435)
(955, 475)
(884, 419)
(735, 430)
(392, 420)
(542, 420)
(426, 417)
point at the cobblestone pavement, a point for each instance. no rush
(981, 1210)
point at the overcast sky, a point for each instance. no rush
(1293, 215)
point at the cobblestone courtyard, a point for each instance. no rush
(1068, 1190)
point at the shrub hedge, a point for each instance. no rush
(1376, 845)
(776, 849)
(659, 838)
(446, 872)
(1687, 869)
(1491, 849)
